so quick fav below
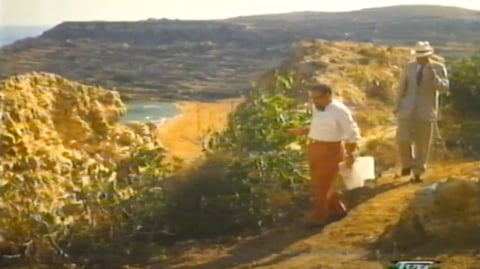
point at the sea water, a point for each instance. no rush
(149, 111)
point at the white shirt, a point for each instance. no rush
(334, 123)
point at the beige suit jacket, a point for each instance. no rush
(421, 101)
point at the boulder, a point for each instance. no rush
(445, 209)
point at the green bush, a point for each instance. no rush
(463, 103)
(261, 124)
(465, 86)
(254, 174)
(230, 193)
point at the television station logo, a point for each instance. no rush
(415, 265)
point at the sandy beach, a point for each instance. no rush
(183, 135)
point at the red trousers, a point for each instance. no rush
(323, 160)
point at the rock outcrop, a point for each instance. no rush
(43, 111)
(445, 209)
(60, 148)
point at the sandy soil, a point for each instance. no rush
(185, 134)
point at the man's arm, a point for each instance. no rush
(304, 130)
(350, 129)
(299, 131)
(402, 87)
(440, 78)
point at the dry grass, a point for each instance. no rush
(362, 74)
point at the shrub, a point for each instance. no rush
(382, 149)
(231, 193)
(465, 86)
(463, 105)
(254, 174)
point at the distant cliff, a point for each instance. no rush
(153, 32)
(215, 59)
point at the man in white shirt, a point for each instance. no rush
(420, 85)
(332, 123)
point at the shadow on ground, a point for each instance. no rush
(359, 196)
(255, 249)
(250, 251)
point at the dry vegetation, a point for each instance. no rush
(68, 169)
(90, 182)
(363, 75)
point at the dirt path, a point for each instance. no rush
(349, 243)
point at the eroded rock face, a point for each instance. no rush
(59, 143)
(43, 110)
(445, 209)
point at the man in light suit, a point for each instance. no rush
(421, 83)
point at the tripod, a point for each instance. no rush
(438, 141)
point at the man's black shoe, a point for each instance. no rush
(406, 171)
(336, 217)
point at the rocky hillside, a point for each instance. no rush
(63, 154)
(215, 59)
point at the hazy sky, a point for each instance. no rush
(50, 12)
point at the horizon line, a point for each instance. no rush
(240, 16)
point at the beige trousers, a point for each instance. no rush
(414, 139)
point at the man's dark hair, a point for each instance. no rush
(323, 89)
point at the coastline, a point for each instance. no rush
(183, 134)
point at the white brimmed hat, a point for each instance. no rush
(422, 49)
